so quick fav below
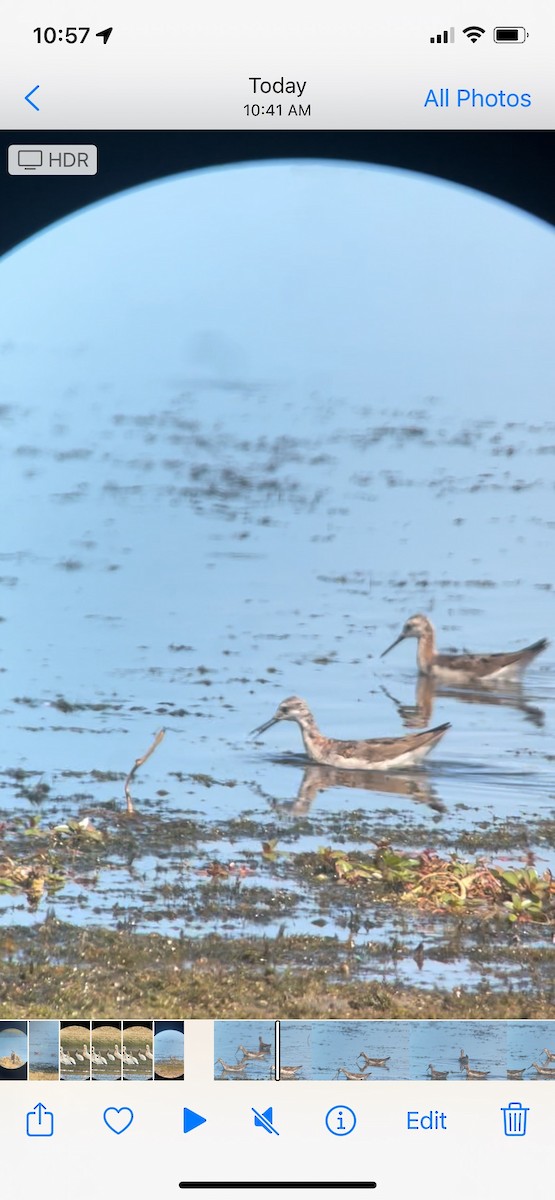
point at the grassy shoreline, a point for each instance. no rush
(67, 973)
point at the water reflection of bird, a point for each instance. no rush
(374, 754)
(252, 1053)
(436, 1074)
(232, 1068)
(419, 714)
(549, 1072)
(352, 1074)
(418, 955)
(374, 1062)
(459, 669)
(317, 779)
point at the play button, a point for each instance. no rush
(191, 1120)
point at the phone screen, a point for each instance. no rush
(276, 600)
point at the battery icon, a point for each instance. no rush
(509, 34)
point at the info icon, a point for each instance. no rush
(340, 1120)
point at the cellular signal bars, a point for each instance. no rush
(448, 35)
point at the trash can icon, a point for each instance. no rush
(514, 1119)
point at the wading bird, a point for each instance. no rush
(461, 669)
(374, 754)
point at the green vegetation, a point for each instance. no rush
(445, 885)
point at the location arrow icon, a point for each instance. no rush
(105, 34)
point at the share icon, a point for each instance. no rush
(265, 1120)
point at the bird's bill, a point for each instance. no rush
(263, 728)
(401, 638)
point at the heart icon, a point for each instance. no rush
(118, 1119)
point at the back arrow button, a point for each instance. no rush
(32, 102)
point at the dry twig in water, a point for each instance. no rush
(138, 763)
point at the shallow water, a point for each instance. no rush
(190, 577)
(185, 554)
(321, 1048)
(230, 1035)
(410, 1046)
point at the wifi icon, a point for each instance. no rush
(473, 32)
